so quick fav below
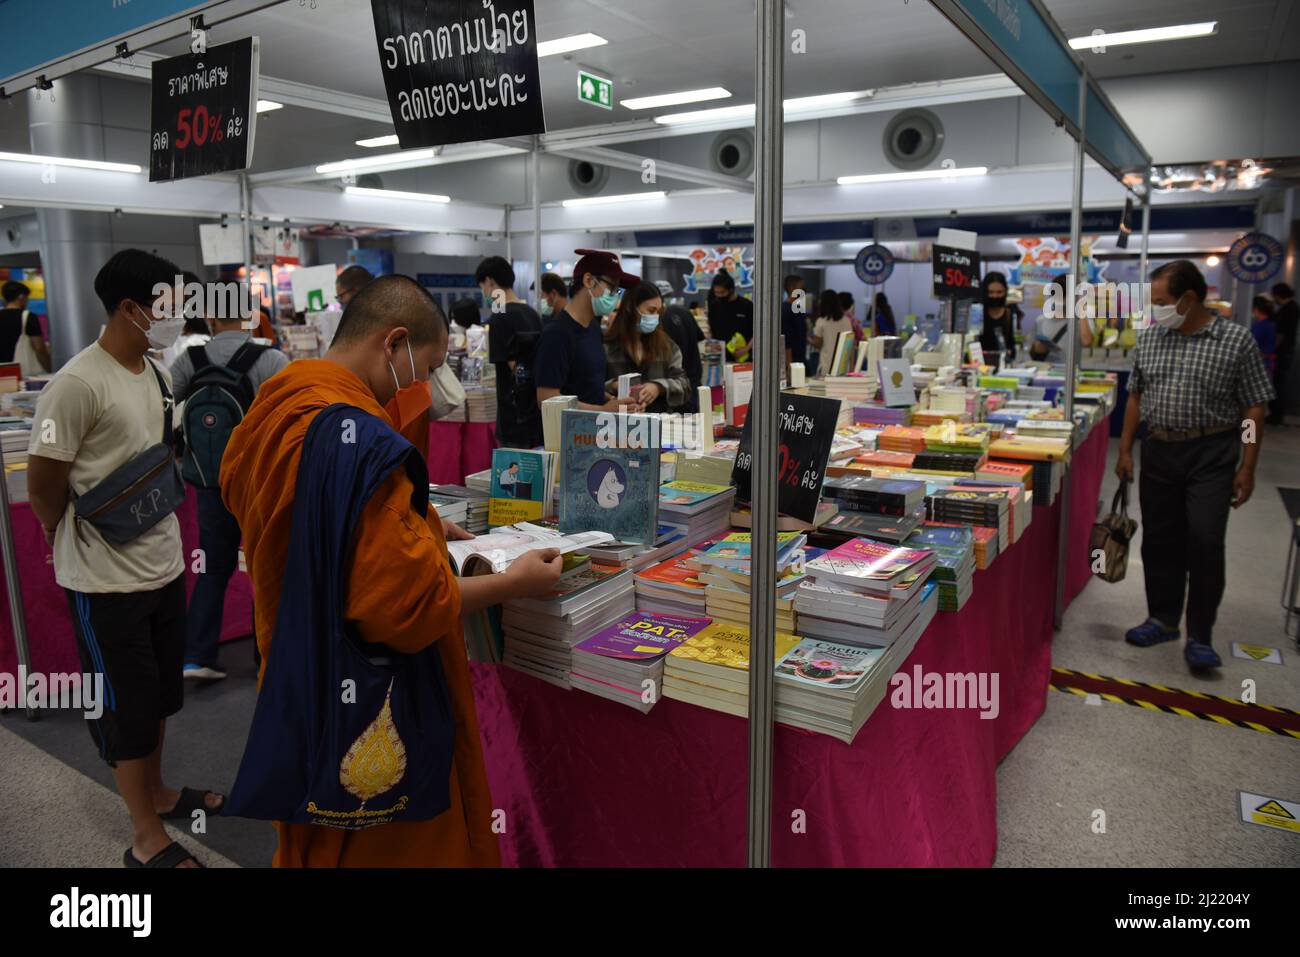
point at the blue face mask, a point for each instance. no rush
(649, 323)
(546, 308)
(605, 304)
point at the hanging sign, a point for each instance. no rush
(1255, 258)
(203, 111)
(459, 71)
(595, 90)
(807, 430)
(874, 264)
(956, 272)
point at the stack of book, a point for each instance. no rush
(449, 508)
(670, 540)
(672, 586)
(540, 632)
(883, 528)
(948, 463)
(902, 438)
(877, 496)
(476, 505)
(1019, 473)
(480, 481)
(954, 553)
(964, 505)
(833, 687)
(863, 592)
(704, 509)
(480, 403)
(1020, 508)
(873, 413)
(300, 342)
(886, 459)
(986, 541)
(15, 436)
(725, 569)
(713, 469)
(853, 387)
(625, 661)
(712, 669)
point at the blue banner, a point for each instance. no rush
(35, 33)
(1107, 136)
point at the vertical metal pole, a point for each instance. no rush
(537, 222)
(1071, 345)
(13, 583)
(1146, 235)
(769, 73)
(246, 224)
(510, 258)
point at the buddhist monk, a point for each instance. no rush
(400, 591)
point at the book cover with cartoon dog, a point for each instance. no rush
(611, 475)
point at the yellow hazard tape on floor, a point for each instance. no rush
(1194, 694)
(1171, 709)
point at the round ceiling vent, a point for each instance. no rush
(733, 153)
(913, 139)
(586, 178)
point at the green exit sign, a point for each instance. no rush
(595, 90)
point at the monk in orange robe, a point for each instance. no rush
(402, 592)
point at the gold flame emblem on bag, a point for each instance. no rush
(376, 762)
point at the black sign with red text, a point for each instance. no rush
(806, 429)
(203, 111)
(956, 273)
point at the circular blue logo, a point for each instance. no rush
(874, 264)
(1255, 258)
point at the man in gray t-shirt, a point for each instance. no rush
(218, 530)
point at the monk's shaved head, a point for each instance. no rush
(387, 303)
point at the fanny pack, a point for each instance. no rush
(138, 494)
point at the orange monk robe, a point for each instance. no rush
(401, 593)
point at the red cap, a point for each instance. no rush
(603, 265)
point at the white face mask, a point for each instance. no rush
(161, 333)
(1167, 316)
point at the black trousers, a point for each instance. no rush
(1277, 408)
(1185, 489)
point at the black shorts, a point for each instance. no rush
(137, 641)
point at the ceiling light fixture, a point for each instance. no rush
(579, 41)
(372, 142)
(369, 162)
(918, 174)
(619, 198)
(75, 163)
(677, 99)
(800, 104)
(266, 106)
(1184, 31)
(396, 194)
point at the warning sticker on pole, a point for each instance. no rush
(1270, 812)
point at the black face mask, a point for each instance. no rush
(997, 303)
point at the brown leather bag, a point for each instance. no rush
(1111, 537)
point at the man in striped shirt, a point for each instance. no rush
(1200, 388)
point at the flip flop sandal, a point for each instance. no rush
(192, 800)
(173, 855)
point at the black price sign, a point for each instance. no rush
(203, 111)
(458, 71)
(807, 430)
(956, 273)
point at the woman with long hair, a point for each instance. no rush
(1000, 318)
(637, 342)
(883, 314)
(831, 321)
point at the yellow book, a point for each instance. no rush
(727, 645)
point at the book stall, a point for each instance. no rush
(916, 542)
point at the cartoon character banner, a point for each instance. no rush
(1042, 258)
(707, 263)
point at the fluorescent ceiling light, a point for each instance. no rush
(266, 106)
(676, 99)
(580, 41)
(64, 161)
(1184, 31)
(369, 162)
(397, 194)
(918, 174)
(389, 140)
(800, 104)
(620, 198)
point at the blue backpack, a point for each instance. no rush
(217, 400)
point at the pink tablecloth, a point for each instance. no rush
(584, 781)
(457, 449)
(49, 626)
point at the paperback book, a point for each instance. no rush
(611, 475)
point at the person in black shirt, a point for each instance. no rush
(513, 329)
(685, 331)
(571, 351)
(1000, 319)
(729, 313)
(1284, 324)
(794, 321)
(16, 322)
